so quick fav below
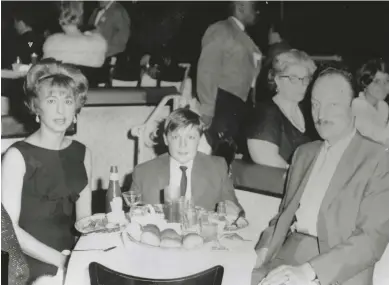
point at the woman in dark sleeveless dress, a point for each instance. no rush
(45, 177)
(278, 127)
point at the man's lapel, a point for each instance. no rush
(307, 169)
(106, 14)
(296, 186)
(92, 18)
(343, 172)
(243, 37)
(197, 184)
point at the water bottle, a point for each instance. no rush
(113, 188)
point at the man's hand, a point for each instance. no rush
(261, 256)
(290, 275)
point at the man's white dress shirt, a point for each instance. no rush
(175, 178)
(317, 184)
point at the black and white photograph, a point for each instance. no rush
(194, 142)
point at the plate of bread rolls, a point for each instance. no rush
(151, 235)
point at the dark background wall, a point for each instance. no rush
(352, 29)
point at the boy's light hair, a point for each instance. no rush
(182, 118)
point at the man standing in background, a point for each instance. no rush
(228, 66)
(113, 22)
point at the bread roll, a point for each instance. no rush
(171, 242)
(170, 233)
(192, 240)
(152, 228)
(134, 230)
(150, 238)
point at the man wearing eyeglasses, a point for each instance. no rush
(333, 223)
(228, 66)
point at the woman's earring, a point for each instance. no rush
(75, 119)
(37, 118)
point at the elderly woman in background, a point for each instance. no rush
(278, 127)
(370, 109)
(87, 50)
(45, 177)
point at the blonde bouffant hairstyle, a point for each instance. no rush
(71, 13)
(48, 75)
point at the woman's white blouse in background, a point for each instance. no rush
(371, 122)
(88, 49)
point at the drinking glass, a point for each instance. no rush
(171, 209)
(132, 198)
(209, 231)
(171, 193)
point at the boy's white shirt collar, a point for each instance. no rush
(177, 164)
(175, 175)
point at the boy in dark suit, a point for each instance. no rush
(184, 171)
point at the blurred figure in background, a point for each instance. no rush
(45, 178)
(370, 109)
(227, 69)
(113, 22)
(277, 127)
(28, 42)
(85, 49)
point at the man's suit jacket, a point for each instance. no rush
(114, 25)
(353, 221)
(210, 182)
(226, 62)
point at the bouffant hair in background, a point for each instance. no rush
(71, 13)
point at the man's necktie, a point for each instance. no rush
(184, 180)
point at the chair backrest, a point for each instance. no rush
(4, 266)
(101, 275)
(183, 86)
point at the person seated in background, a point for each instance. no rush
(112, 21)
(45, 178)
(370, 109)
(278, 127)
(28, 42)
(184, 171)
(162, 67)
(86, 50)
(333, 222)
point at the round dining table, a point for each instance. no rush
(238, 258)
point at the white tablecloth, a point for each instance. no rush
(138, 260)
